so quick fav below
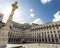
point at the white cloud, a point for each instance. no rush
(56, 16)
(31, 10)
(45, 1)
(38, 21)
(6, 8)
(21, 15)
(32, 15)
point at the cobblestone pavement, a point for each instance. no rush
(35, 45)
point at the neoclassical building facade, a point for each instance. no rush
(18, 33)
(34, 33)
(47, 33)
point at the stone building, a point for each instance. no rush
(34, 33)
(17, 33)
(47, 33)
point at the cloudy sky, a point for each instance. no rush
(32, 11)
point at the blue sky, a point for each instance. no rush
(32, 11)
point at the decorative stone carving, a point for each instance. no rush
(5, 30)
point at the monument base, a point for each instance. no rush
(3, 46)
(3, 42)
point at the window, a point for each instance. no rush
(37, 36)
(59, 36)
(53, 27)
(42, 36)
(54, 31)
(0, 16)
(55, 36)
(56, 40)
(37, 39)
(44, 28)
(52, 40)
(47, 28)
(33, 39)
(45, 37)
(49, 39)
(37, 33)
(52, 36)
(44, 32)
(58, 31)
(50, 31)
(43, 40)
(50, 28)
(49, 36)
(57, 27)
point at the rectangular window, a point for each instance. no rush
(58, 31)
(54, 31)
(57, 27)
(53, 27)
(50, 28)
(59, 36)
(50, 31)
(47, 28)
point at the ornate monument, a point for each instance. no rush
(4, 31)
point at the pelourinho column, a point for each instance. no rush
(5, 30)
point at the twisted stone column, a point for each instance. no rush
(5, 30)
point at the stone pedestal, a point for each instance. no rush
(4, 37)
(3, 42)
